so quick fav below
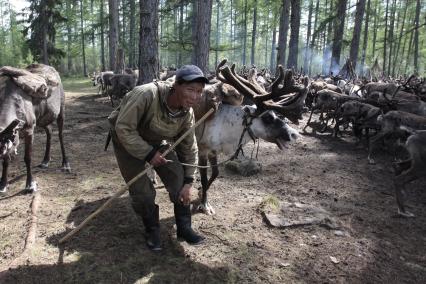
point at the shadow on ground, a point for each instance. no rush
(111, 249)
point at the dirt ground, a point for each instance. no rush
(371, 245)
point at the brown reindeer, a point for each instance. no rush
(410, 169)
(28, 99)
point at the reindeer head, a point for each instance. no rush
(9, 138)
(269, 127)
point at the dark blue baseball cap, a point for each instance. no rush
(189, 73)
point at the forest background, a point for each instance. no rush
(79, 37)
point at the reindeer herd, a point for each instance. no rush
(248, 106)
(387, 112)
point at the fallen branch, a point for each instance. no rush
(7, 215)
(30, 240)
(226, 242)
(33, 225)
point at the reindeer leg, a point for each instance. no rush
(336, 129)
(400, 182)
(322, 130)
(357, 132)
(45, 163)
(110, 97)
(202, 161)
(367, 135)
(372, 146)
(202, 191)
(31, 185)
(60, 121)
(401, 166)
(3, 181)
(309, 120)
(215, 172)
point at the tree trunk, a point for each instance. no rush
(266, 32)
(148, 41)
(274, 43)
(82, 40)
(410, 46)
(201, 41)
(339, 25)
(132, 55)
(391, 28)
(231, 34)
(176, 32)
(293, 45)
(180, 33)
(45, 37)
(397, 46)
(416, 38)
(353, 54)
(253, 34)
(385, 40)
(283, 31)
(113, 32)
(119, 61)
(307, 52)
(245, 33)
(313, 38)
(326, 56)
(399, 42)
(365, 40)
(375, 30)
(69, 38)
(101, 15)
(216, 53)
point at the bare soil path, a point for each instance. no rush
(371, 245)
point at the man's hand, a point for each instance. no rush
(185, 194)
(158, 160)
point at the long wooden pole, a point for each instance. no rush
(126, 187)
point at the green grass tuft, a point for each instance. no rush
(270, 203)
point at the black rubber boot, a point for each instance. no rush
(183, 224)
(152, 228)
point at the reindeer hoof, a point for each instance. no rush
(371, 161)
(206, 209)
(406, 214)
(3, 189)
(32, 187)
(43, 165)
(66, 167)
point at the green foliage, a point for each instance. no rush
(14, 50)
(42, 21)
(175, 47)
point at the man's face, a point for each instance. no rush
(189, 94)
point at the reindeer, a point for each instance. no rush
(391, 124)
(120, 85)
(362, 115)
(410, 169)
(21, 110)
(234, 125)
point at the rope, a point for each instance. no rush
(239, 148)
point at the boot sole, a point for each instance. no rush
(153, 248)
(181, 239)
(156, 249)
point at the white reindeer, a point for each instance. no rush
(234, 125)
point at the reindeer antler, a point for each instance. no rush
(288, 97)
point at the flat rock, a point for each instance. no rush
(295, 214)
